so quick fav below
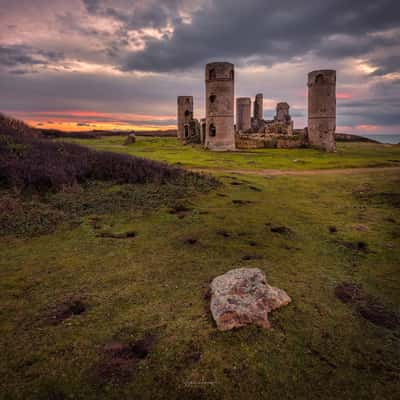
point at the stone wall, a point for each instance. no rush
(257, 141)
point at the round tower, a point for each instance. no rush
(243, 114)
(184, 116)
(322, 109)
(220, 82)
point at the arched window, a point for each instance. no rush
(212, 98)
(186, 131)
(212, 131)
(319, 79)
(187, 113)
(211, 74)
(232, 74)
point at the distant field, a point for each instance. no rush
(349, 155)
(130, 265)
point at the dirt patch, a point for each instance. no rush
(359, 246)
(65, 310)
(252, 243)
(222, 232)
(361, 227)
(249, 257)
(242, 202)
(332, 229)
(287, 247)
(281, 230)
(192, 356)
(121, 235)
(190, 241)
(179, 208)
(347, 292)
(367, 306)
(119, 360)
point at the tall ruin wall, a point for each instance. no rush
(220, 92)
(322, 109)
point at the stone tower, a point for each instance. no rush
(220, 82)
(243, 114)
(185, 116)
(322, 109)
(282, 112)
(258, 107)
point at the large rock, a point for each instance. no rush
(131, 138)
(242, 296)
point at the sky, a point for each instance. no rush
(120, 64)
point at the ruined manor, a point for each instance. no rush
(218, 130)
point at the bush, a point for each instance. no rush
(29, 162)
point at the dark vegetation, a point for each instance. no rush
(29, 162)
(43, 182)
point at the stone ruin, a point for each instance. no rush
(188, 127)
(217, 131)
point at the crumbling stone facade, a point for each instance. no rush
(259, 106)
(220, 92)
(322, 109)
(257, 122)
(185, 115)
(243, 114)
(188, 127)
(282, 112)
(217, 131)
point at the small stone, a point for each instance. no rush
(242, 296)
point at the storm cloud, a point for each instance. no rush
(135, 56)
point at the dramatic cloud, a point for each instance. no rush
(123, 62)
(270, 32)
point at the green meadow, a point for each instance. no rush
(348, 155)
(135, 263)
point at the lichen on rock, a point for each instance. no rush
(242, 296)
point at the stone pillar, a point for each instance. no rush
(243, 114)
(282, 112)
(322, 109)
(220, 82)
(258, 107)
(185, 115)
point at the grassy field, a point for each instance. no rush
(349, 155)
(138, 275)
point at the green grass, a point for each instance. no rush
(349, 155)
(155, 282)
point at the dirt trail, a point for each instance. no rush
(307, 172)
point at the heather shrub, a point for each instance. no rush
(27, 162)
